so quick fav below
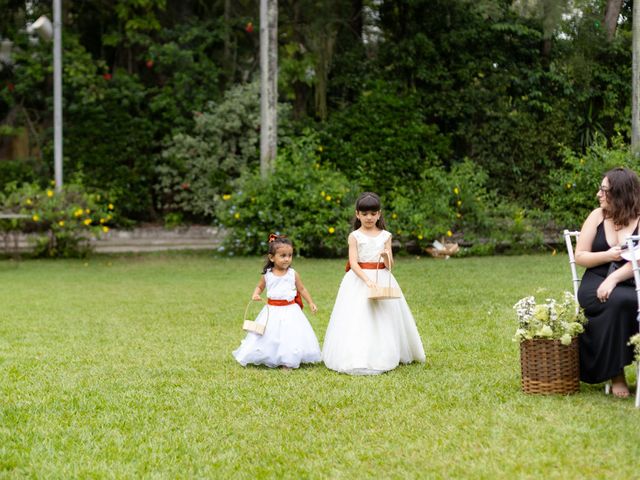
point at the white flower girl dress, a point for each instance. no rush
(364, 336)
(289, 339)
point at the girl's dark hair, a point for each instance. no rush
(369, 202)
(623, 196)
(275, 242)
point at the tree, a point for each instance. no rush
(611, 14)
(268, 84)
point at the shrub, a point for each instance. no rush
(308, 202)
(64, 222)
(572, 189)
(382, 141)
(225, 142)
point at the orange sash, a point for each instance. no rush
(280, 303)
(283, 303)
(365, 265)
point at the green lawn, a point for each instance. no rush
(121, 367)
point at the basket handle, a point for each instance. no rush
(246, 310)
(378, 267)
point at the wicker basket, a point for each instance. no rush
(549, 367)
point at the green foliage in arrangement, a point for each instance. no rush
(64, 223)
(303, 199)
(572, 188)
(121, 367)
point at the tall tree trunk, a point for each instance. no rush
(635, 82)
(611, 14)
(268, 84)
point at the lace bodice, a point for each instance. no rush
(281, 288)
(369, 248)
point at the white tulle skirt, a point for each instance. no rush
(368, 337)
(288, 340)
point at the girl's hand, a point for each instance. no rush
(384, 253)
(370, 284)
(313, 307)
(256, 297)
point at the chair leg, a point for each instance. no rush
(638, 384)
(607, 387)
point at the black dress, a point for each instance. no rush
(603, 345)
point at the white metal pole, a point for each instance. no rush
(57, 94)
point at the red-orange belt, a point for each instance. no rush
(280, 303)
(366, 265)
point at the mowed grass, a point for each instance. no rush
(121, 367)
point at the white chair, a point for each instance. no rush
(632, 241)
(568, 240)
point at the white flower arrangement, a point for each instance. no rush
(556, 319)
(635, 341)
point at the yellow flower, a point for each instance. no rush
(87, 221)
(78, 213)
(320, 148)
(328, 198)
(449, 233)
(394, 215)
(226, 197)
(458, 215)
(322, 194)
(110, 207)
(49, 193)
(87, 211)
(102, 220)
(420, 237)
(568, 186)
(456, 191)
(109, 217)
(28, 201)
(236, 215)
(332, 230)
(61, 223)
(105, 229)
(35, 218)
(459, 202)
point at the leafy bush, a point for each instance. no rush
(382, 141)
(572, 189)
(64, 222)
(310, 203)
(456, 205)
(225, 142)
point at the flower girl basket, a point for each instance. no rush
(378, 292)
(252, 325)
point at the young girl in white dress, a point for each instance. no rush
(364, 336)
(288, 339)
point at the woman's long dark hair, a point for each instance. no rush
(623, 196)
(369, 202)
(275, 241)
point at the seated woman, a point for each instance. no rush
(609, 305)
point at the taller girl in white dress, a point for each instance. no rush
(288, 339)
(364, 336)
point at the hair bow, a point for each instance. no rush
(273, 237)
